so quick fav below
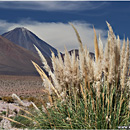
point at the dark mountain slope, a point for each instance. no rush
(16, 60)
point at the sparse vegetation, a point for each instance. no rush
(83, 93)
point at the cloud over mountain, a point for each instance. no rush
(58, 34)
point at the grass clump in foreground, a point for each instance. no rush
(83, 93)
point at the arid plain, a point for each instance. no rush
(23, 86)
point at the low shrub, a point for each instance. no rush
(8, 99)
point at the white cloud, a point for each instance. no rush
(59, 34)
(51, 5)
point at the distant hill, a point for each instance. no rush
(16, 60)
(92, 55)
(77, 53)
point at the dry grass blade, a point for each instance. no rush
(12, 120)
(14, 96)
(49, 96)
(27, 112)
(36, 108)
(84, 97)
(53, 59)
(100, 48)
(78, 37)
(82, 91)
(40, 71)
(110, 29)
(43, 75)
(96, 45)
(29, 118)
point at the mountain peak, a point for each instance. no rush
(21, 28)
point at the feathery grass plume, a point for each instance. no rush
(98, 89)
(122, 57)
(67, 68)
(78, 37)
(125, 67)
(55, 63)
(112, 57)
(44, 62)
(47, 86)
(85, 51)
(86, 55)
(118, 49)
(14, 96)
(53, 58)
(60, 68)
(98, 66)
(56, 83)
(81, 64)
(111, 75)
(111, 32)
(75, 69)
(40, 71)
(115, 52)
(97, 76)
(118, 57)
(44, 76)
(98, 70)
(81, 54)
(55, 74)
(106, 60)
(112, 39)
(96, 45)
(59, 72)
(100, 48)
(89, 67)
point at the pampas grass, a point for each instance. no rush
(124, 72)
(96, 45)
(83, 93)
(101, 83)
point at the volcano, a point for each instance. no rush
(25, 38)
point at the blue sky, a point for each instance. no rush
(49, 20)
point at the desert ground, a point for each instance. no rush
(23, 86)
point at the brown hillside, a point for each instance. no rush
(15, 59)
